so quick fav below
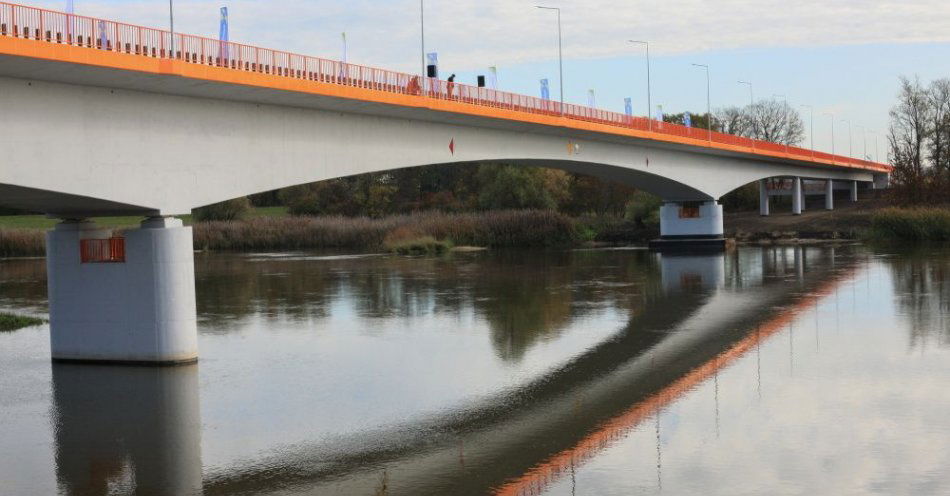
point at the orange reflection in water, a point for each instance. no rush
(542, 475)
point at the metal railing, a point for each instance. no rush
(109, 250)
(99, 34)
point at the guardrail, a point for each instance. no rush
(109, 250)
(99, 34)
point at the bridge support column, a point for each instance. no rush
(829, 195)
(797, 196)
(854, 191)
(122, 300)
(763, 198)
(689, 225)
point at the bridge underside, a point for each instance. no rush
(64, 205)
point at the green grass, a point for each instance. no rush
(42, 222)
(10, 322)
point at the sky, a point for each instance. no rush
(841, 57)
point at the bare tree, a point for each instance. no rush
(732, 120)
(775, 121)
(909, 132)
(939, 146)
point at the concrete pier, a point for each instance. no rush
(763, 198)
(122, 300)
(829, 195)
(689, 225)
(797, 196)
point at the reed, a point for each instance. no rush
(912, 224)
(521, 228)
(11, 322)
(22, 243)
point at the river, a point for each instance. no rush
(778, 370)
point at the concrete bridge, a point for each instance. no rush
(105, 118)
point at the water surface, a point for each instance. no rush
(782, 370)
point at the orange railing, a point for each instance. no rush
(109, 250)
(99, 34)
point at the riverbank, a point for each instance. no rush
(272, 229)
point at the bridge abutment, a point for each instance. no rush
(128, 299)
(690, 224)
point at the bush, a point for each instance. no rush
(11, 322)
(230, 210)
(643, 209)
(912, 224)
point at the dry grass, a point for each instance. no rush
(22, 243)
(503, 228)
(912, 224)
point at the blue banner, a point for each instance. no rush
(628, 106)
(687, 121)
(545, 91)
(223, 35)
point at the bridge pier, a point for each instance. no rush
(797, 196)
(854, 191)
(763, 198)
(829, 195)
(127, 299)
(689, 225)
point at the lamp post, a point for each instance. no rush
(422, 35)
(708, 106)
(751, 104)
(850, 139)
(864, 135)
(560, 53)
(171, 25)
(832, 116)
(649, 99)
(786, 127)
(811, 139)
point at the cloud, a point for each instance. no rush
(474, 34)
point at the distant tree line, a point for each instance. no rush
(919, 142)
(767, 120)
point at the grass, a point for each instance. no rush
(10, 322)
(912, 224)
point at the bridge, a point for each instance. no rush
(106, 118)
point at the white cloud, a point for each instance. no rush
(475, 34)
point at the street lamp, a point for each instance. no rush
(649, 100)
(171, 23)
(560, 53)
(850, 139)
(832, 116)
(864, 134)
(708, 107)
(786, 129)
(811, 139)
(422, 35)
(751, 104)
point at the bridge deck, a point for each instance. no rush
(56, 36)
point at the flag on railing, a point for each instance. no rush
(628, 106)
(433, 61)
(223, 35)
(591, 101)
(493, 77)
(687, 121)
(344, 47)
(545, 90)
(659, 113)
(103, 39)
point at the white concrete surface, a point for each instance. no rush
(82, 151)
(692, 272)
(763, 198)
(142, 310)
(709, 223)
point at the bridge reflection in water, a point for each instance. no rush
(119, 427)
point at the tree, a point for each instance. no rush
(514, 187)
(771, 120)
(227, 210)
(939, 148)
(907, 137)
(732, 120)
